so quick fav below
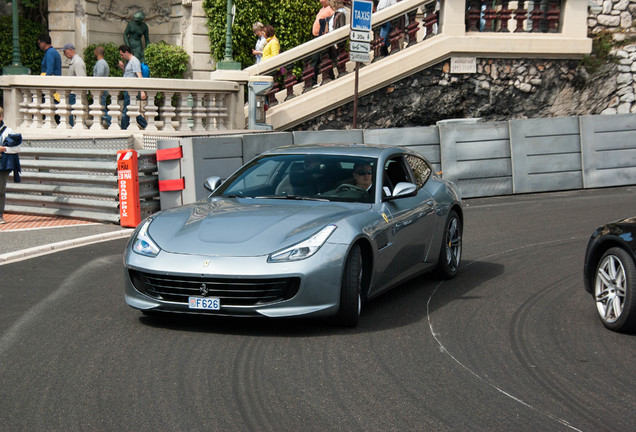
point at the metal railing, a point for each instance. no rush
(79, 183)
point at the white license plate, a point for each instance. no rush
(206, 303)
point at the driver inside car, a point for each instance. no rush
(363, 175)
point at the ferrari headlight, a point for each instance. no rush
(143, 243)
(305, 248)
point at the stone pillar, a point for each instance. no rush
(452, 17)
(67, 24)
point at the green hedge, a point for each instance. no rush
(292, 20)
(166, 61)
(30, 54)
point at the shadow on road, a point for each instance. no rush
(402, 306)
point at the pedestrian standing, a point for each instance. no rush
(385, 29)
(272, 48)
(259, 31)
(132, 69)
(9, 160)
(77, 67)
(101, 69)
(52, 61)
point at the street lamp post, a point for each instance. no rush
(228, 62)
(16, 67)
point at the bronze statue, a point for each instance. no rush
(135, 30)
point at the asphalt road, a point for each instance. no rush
(513, 343)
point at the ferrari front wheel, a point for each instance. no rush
(351, 289)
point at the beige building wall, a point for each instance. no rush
(178, 22)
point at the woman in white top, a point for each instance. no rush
(259, 31)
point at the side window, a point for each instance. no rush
(395, 172)
(421, 169)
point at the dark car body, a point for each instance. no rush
(615, 236)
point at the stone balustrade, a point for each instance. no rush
(57, 104)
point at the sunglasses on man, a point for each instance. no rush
(364, 172)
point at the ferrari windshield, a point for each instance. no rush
(305, 176)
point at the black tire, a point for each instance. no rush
(615, 290)
(450, 253)
(350, 289)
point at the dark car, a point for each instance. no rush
(610, 273)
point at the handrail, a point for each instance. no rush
(325, 41)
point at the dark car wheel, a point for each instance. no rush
(450, 253)
(615, 290)
(350, 291)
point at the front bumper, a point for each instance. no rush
(317, 279)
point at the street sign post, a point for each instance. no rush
(359, 43)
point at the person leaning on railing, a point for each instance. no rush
(319, 28)
(9, 160)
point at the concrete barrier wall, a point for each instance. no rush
(482, 158)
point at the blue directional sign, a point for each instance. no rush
(361, 11)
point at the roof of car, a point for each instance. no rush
(350, 149)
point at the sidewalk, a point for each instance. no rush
(26, 236)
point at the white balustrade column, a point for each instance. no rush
(62, 111)
(212, 116)
(167, 112)
(198, 113)
(25, 116)
(114, 111)
(78, 110)
(47, 110)
(221, 108)
(151, 111)
(183, 112)
(34, 109)
(96, 110)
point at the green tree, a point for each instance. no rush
(292, 20)
(28, 31)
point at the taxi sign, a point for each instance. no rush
(361, 11)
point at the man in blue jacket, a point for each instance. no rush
(52, 61)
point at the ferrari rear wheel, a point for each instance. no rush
(615, 290)
(350, 290)
(450, 253)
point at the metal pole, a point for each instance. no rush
(228, 33)
(355, 98)
(16, 67)
(228, 62)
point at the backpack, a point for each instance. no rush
(145, 70)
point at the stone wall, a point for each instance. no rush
(615, 16)
(504, 89)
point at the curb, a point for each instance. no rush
(59, 246)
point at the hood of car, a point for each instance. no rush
(242, 227)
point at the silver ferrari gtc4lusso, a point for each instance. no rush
(299, 231)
